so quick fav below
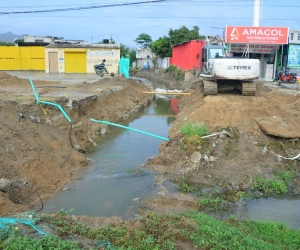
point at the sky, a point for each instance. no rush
(124, 20)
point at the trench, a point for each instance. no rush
(115, 183)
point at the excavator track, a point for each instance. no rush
(248, 88)
(210, 87)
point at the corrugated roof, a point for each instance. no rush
(80, 45)
(188, 42)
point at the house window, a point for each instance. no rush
(298, 36)
(39, 40)
(292, 36)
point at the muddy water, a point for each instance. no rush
(284, 209)
(115, 183)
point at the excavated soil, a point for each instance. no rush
(36, 153)
(38, 157)
(229, 163)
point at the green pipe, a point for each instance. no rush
(35, 94)
(38, 101)
(60, 108)
(136, 130)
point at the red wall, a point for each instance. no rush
(187, 55)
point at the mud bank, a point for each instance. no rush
(36, 157)
(229, 164)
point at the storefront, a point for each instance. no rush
(263, 43)
(293, 62)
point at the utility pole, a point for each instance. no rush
(256, 13)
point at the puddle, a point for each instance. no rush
(114, 183)
(284, 209)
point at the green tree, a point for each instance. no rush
(183, 34)
(162, 47)
(132, 56)
(143, 39)
(6, 44)
(124, 51)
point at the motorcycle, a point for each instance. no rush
(100, 69)
(288, 78)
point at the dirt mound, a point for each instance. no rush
(7, 80)
(230, 163)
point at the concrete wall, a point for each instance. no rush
(163, 63)
(96, 55)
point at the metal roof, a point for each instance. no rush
(82, 45)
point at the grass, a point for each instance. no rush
(267, 187)
(192, 133)
(186, 188)
(47, 242)
(215, 204)
(161, 232)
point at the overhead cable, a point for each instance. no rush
(80, 8)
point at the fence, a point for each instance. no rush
(22, 58)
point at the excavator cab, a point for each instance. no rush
(209, 53)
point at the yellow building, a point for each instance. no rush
(80, 58)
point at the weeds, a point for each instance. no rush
(268, 187)
(186, 188)
(286, 176)
(47, 242)
(171, 68)
(136, 171)
(274, 145)
(192, 134)
(215, 204)
(177, 73)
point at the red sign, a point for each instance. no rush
(256, 35)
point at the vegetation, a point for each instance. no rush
(192, 134)
(269, 187)
(47, 242)
(162, 47)
(183, 34)
(6, 44)
(186, 188)
(215, 204)
(143, 39)
(190, 229)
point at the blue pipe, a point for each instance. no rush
(35, 94)
(38, 101)
(59, 107)
(133, 129)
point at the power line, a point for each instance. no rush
(80, 8)
(177, 17)
(89, 4)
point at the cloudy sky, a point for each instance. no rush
(125, 22)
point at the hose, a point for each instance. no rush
(70, 136)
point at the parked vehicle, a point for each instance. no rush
(288, 78)
(100, 69)
(220, 71)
